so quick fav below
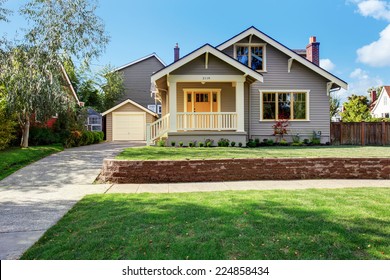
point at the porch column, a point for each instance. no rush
(240, 106)
(172, 106)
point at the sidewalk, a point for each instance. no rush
(245, 185)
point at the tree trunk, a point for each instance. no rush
(25, 133)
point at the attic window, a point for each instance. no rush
(251, 55)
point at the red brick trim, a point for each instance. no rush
(119, 171)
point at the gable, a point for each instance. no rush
(215, 66)
(253, 35)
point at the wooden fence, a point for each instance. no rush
(361, 133)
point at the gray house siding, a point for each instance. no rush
(278, 78)
(136, 79)
(215, 67)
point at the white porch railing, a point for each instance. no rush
(157, 129)
(206, 121)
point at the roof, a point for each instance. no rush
(139, 60)
(70, 85)
(374, 104)
(207, 48)
(130, 102)
(253, 30)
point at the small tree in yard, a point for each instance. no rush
(334, 105)
(356, 109)
(280, 128)
(32, 73)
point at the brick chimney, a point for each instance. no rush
(373, 96)
(313, 51)
(176, 53)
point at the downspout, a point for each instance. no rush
(249, 113)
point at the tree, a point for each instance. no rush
(33, 73)
(356, 109)
(33, 87)
(334, 105)
(111, 85)
(377, 89)
(3, 11)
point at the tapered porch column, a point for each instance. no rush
(240, 106)
(172, 106)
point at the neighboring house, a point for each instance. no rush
(238, 90)
(94, 120)
(137, 103)
(380, 108)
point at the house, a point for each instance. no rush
(94, 120)
(238, 89)
(380, 107)
(127, 120)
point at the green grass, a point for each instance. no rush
(169, 153)
(13, 159)
(303, 224)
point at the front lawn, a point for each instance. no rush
(13, 159)
(168, 153)
(304, 224)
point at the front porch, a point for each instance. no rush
(203, 97)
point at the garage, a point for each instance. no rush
(127, 121)
(128, 126)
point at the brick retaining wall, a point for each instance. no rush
(121, 171)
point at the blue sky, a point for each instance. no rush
(354, 34)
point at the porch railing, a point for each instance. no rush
(207, 121)
(157, 129)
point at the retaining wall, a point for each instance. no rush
(120, 171)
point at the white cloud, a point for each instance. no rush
(327, 64)
(360, 82)
(377, 54)
(374, 8)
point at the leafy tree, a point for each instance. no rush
(356, 109)
(3, 11)
(7, 124)
(334, 105)
(377, 89)
(112, 88)
(33, 87)
(33, 73)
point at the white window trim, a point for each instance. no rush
(201, 90)
(307, 91)
(264, 46)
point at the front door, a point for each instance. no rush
(202, 101)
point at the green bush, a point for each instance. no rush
(98, 136)
(270, 142)
(173, 143)
(283, 143)
(251, 143)
(209, 143)
(190, 144)
(40, 136)
(223, 142)
(201, 144)
(7, 131)
(161, 143)
(240, 144)
(181, 143)
(233, 144)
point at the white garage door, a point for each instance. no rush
(128, 126)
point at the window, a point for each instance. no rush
(251, 55)
(284, 105)
(152, 107)
(385, 101)
(159, 109)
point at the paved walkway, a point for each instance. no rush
(37, 196)
(245, 185)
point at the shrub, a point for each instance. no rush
(233, 144)
(240, 144)
(296, 138)
(223, 142)
(74, 139)
(173, 143)
(7, 129)
(296, 144)
(257, 142)
(87, 138)
(251, 144)
(161, 143)
(209, 142)
(190, 144)
(181, 143)
(201, 144)
(306, 141)
(283, 142)
(280, 127)
(99, 136)
(315, 138)
(42, 136)
(270, 142)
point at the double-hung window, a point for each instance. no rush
(290, 105)
(252, 55)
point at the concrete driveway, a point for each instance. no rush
(37, 196)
